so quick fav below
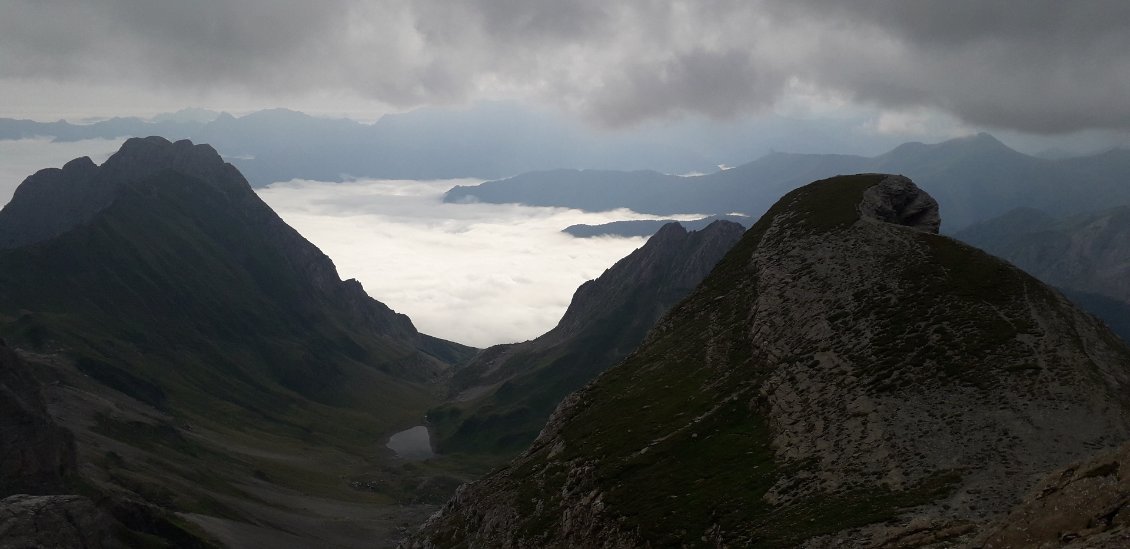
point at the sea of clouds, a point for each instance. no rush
(479, 274)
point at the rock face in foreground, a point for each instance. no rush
(1086, 504)
(839, 379)
(35, 454)
(55, 521)
(503, 397)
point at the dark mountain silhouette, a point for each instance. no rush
(487, 140)
(648, 227)
(195, 344)
(844, 377)
(503, 397)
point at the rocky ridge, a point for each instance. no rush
(839, 379)
(502, 398)
(54, 201)
(193, 343)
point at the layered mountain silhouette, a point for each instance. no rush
(502, 398)
(648, 227)
(487, 140)
(844, 376)
(194, 343)
(974, 178)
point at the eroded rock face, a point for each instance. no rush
(838, 380)
(896, 199)
(1086, 504)
(54, 521)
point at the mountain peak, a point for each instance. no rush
(978, 142)
(834, 359)
(53, 201)
(80, 165)
(669, 230)
(140, 157)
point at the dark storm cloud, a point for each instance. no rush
(718, 84)
(201, 42)
(1039, 66)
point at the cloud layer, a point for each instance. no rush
(1042, 66)
(479, 274)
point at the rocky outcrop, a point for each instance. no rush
(36, 455)
(1085, 505)
(54, 521)
(836, 381)
(502, 399)
(898, 200)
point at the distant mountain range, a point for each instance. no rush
(648, 227)
(1085, 255)
(194, 345)
(502, 399)
(974, 178)
(487, 141)
(843, 378)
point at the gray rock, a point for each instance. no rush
(1086, 505)
(34, 522)
(35, 453)
(896, 199)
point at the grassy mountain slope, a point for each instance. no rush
(503, 397)
(839, 378)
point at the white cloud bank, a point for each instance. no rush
(479, 274)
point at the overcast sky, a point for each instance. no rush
(1039, 66)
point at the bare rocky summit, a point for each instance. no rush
(844, 377)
